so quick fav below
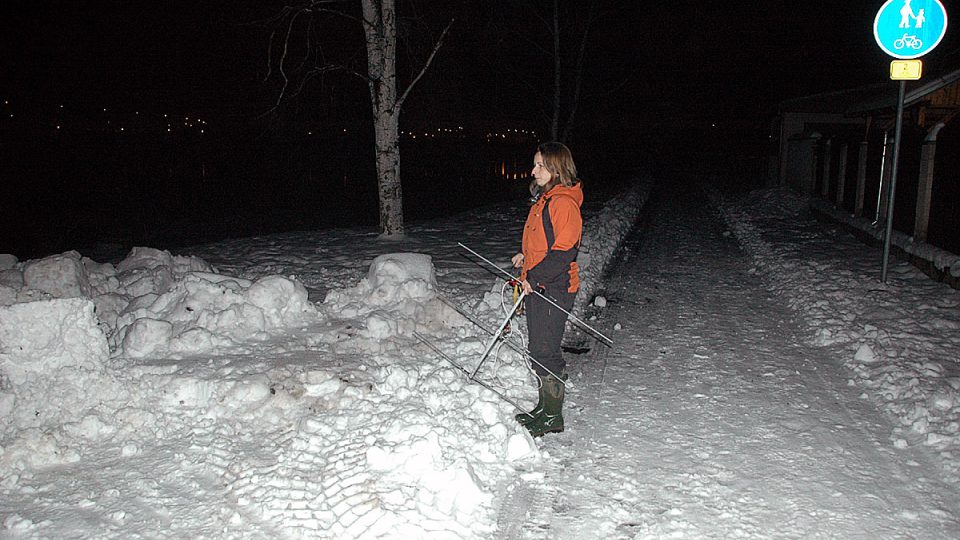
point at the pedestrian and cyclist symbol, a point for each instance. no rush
(906, 13)
(910, 28)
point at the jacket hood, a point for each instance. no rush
(575, 192)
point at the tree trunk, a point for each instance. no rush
(578, 81)
(387, 132)
(557, 88)
(380, 27)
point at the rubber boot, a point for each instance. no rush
(550, 419)
(527, 417)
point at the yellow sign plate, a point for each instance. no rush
(906, 70)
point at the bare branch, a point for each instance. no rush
(626, 80)
(269, 56)
(311, 74)
(547, 24)
(340, 13)
(292, 13)
(286, 45)
(366, 78)
(314, 3)
(306, 57)
(423, 70)
(270, 21)
(536, 44)
(525, 35)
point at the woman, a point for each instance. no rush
(551, 240)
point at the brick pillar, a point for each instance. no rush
(925, 184)
(827, 158)
(861, 178)
(842, 173)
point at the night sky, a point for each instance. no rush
(210, 56)
(650, 69)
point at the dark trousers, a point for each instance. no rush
(545, 325)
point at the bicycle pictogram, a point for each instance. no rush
(907, 41)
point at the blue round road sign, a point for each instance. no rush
(910, 28)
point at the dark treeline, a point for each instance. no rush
(101, 191)
(105, 192)
(274, 157)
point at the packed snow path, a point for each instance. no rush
(712, 417)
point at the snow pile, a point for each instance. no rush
(62, 334)
(177, 305)
(62, 315)
(397, 297)
(205, 312)
(388, 440)
(900, 339)
(153, 303)
(202, 404)
(50, 352)
(403, 442)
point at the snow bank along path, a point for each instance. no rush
(168, 396)
(900, 340)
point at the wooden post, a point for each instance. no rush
(827, 157)
(861, 178)
(925, 184)
(842, 173)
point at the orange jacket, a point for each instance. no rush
(553, 264)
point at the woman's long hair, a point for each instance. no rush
(558, 160)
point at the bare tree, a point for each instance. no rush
(379, 22)
(566, 62)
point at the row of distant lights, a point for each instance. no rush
(511, 133)
(196, 122)
(187, 122)
(414, 135)
(447, 131)
(441, 132)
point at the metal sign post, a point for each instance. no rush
(905, 29)
(893, 183)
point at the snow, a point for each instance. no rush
(941, 259)
(288, 386)
(900, 340)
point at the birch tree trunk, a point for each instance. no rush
(380, 28)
